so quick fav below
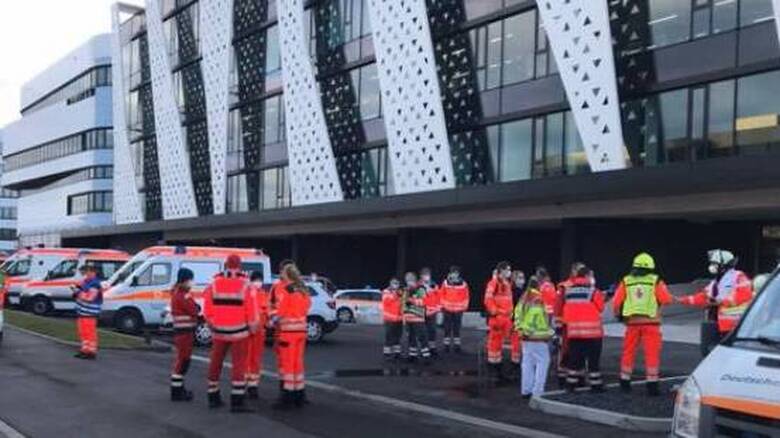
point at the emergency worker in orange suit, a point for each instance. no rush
(184, 312)
(392, 315)
(232, 315)
(498, 305)
(560, 328)
(289, 320)
(516, 338)
(432, 308)
(89, 300)
(548, 290)
(256, 344)
(637, 302)
(726, 297)
(580, 307)
(454, 293)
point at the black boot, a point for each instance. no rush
(238, 403)
(285, 401)
(215, 400)
(446, 348)
(252, 393)
(625, 385)
(653, 389)
(302, 400)
(458, 349)
(1, 337)
(180, 394)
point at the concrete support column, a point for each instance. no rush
(401, 253)
(569, 245)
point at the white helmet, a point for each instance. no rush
(720, 259)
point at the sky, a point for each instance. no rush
(36, 33)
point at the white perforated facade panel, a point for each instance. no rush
(215, 27)
(581, 42)
(127, 205)
(178, 198)
(418, 145)
(313, 175)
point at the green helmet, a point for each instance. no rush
(644, 261)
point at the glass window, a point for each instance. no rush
(204, 271)
(273, 58)
(270, 188)
(758, 112)
(516, 141)
(669, 21)
(554, 144)
(721, 118)
(667, 127)
(271, 132)
(106, 268)
(755, 11)
(494, 38)
(519, 48)
(157, 274)
(576, 160)
(369, 92)
(724, 15)
(64, 269)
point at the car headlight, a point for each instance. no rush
(687, 408)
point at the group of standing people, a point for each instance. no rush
(537, 316)
(413, 308)
(240, 311)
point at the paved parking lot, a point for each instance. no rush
(48, 393)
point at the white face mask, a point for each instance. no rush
(506, 273)
(520, 282)
(713, 268)
(426, 278)
(394, 285)
(257, 283)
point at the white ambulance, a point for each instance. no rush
(138, 294)
(53, 291)
(735, 391)
(32, 264)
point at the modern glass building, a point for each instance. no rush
(58, 156)
(8, 197)
(366, 137)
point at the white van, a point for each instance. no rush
(53, 291)
(735, 391)
(32, 264)
(137, 295)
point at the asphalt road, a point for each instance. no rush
(44, 392)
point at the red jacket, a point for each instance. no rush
(579, 307)
(278, 289)
(432, 299)
(454, 297)
(392, 307)
(228, 307)
(293, 308)
(184, 311)
(734, 293)
(498, 298)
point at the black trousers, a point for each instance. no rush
(430, 330)
(393, 333)
(584, 354)
(452, 324)
(418, 339)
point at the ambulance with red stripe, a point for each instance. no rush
(53, 291)
(139, 293)
(735, 390)
(31, 264)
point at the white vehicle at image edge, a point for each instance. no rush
(359, 305)
(320, 321)
(735, 390)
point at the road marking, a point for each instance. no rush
(9, 432)
(417, 407)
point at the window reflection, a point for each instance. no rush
(757, 114)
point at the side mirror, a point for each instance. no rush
(133, 281)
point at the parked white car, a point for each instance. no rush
(359, 305)
(321, 320)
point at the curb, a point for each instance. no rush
(154, 346)
(601, 416)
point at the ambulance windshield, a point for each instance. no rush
(762, 323)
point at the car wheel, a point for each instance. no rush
(129, 321)
(315, 330)
(202, 335)
(41, 306)
(345, 315)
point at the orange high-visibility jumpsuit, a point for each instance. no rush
(89, 300)
(644, 329)
(733, 292)
(292, 308)
(257, 339)
(580, 312)
(392, 315)
(454, 301)
(498, 304)
(231, 314)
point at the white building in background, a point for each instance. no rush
(7, 214)
(59, 155)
